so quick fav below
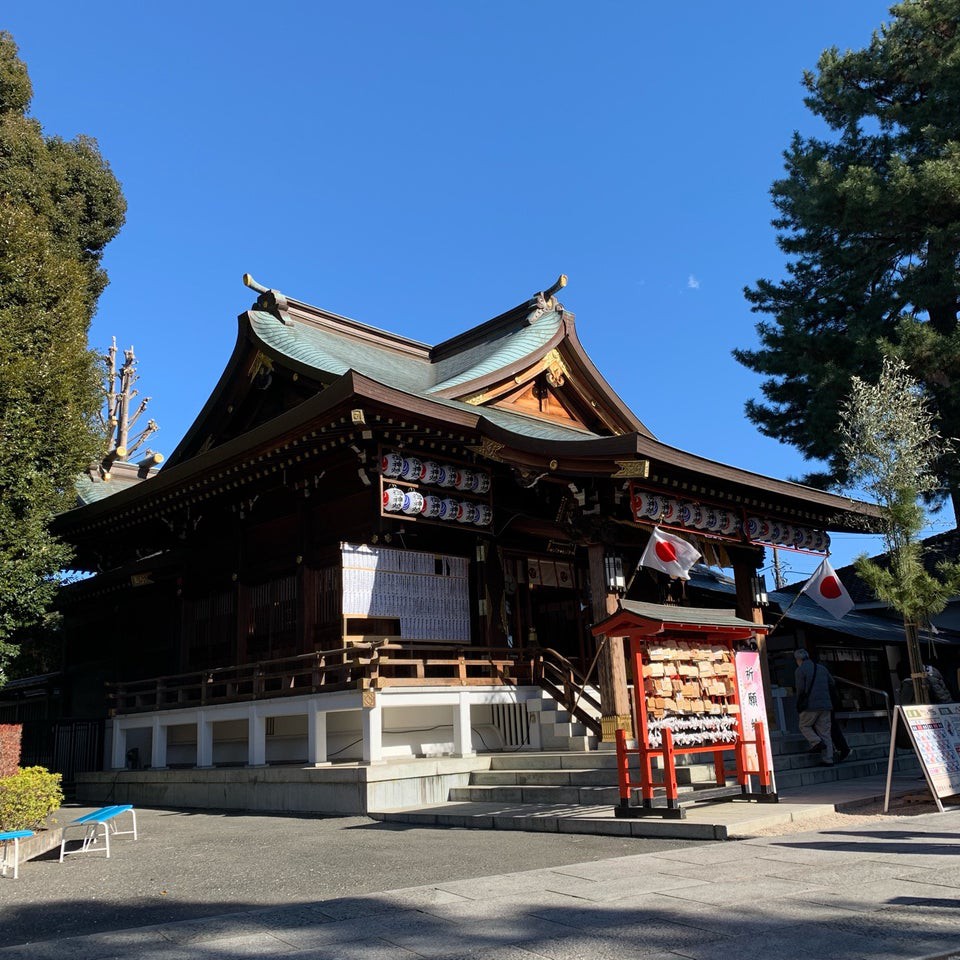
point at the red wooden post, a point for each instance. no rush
(720, 768)
(669, 767)
(762, 759)
(623, 766)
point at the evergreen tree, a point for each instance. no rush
(869, 218)
(59, 207)
(890, 446)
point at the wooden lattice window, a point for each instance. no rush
(210, 629)
(273, 619)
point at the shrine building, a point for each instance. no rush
(372, 561)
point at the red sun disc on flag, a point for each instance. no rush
(666, 552)
(830, 588)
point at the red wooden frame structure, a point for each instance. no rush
(645, 625)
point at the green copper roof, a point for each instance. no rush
(90, 490)
(330, 352)
(490, 357)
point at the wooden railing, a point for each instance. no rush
(363, 664)
(555, 674)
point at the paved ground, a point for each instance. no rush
(882, 888)
(188, 865)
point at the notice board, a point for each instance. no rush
(934, 730)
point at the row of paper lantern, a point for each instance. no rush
(415, 504)
(393, 466)
(788, 534)
(726, 522)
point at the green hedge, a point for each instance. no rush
(28, 798)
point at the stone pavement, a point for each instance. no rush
(884, 889)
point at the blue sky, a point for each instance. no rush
(424, 166)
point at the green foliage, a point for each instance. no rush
(891, 448)
(870, 221)
(59, 206)
(28, 798)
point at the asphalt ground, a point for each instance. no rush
(188, 865)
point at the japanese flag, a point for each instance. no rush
(670, 554)
(826, 589)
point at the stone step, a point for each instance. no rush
(597, 777)
(524, 793)
(849, 770)
(559, 760)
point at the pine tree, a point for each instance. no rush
(59, 207)
(869, 219)
(890, 446)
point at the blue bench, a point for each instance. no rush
(14, 837)
(98, 826)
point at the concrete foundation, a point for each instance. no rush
(340, 789)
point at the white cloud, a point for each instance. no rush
(693, 283)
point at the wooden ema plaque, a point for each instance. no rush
(687, 701)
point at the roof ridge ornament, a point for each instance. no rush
(547, 302)
(272, 301)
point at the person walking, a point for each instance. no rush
(812, 683)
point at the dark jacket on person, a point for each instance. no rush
(814, 680)
(939, 693)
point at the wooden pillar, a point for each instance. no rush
(746, 561)
(612, 666)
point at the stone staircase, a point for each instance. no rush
(559, 730)
(576, 792)
(589, 778)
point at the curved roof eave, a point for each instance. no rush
(240, 350)
(638, 446)
(564, 340)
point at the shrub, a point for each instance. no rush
(28, 797)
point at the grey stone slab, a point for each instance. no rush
(599, 948)
(918, 924)
(710, 853)
(628, 887)
(733, 871)
(878, 895)
(322, 935)
(369, 948)
(510, 952)
(612, 868)
(428, 935)
(800, 942)
(494, 888)
(765, 888)
(252, 945)
(102, 945)
(639, 913)
(532, 905)
(419, 898)
(346, 908)
(212, 928)
(836, 874)
(948, 877)
(921, 861)
(476, 936)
